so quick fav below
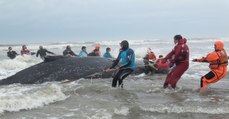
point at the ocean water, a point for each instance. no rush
(141, 98)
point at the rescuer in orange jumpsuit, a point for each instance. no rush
(218, 61)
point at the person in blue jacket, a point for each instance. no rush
(127, 57)
(107, 54)
(83, 52)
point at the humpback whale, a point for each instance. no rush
(58, 68)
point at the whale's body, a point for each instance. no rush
(58, 68)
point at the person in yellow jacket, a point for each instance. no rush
(218, 61)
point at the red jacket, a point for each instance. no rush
(180, 52)
(161, 64)
(25, 51)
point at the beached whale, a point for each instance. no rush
(61, 68)
(58, 68)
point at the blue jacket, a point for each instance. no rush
(107, 55)
(127, 58)
(83, 53)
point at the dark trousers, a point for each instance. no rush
(120, 75)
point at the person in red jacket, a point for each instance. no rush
(161, 65)
(25, 51)
(180, 57)
(150, 55)
(149, 60)
(218, 61)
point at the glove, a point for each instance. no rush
(194, 60)
(176, 60)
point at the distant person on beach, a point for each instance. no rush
(83, 52)
(218, 61)
(96, 51)
(11, 53)
(127, 57)
(180, 57)
(68, 51)
(42, 52)
(25, 51)
(107, 54)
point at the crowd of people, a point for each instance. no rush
(42, 52)
(174, 64)
(178, 59)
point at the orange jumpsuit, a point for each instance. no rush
(218, 62)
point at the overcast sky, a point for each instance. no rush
(99, 20)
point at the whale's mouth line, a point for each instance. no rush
(94, 75)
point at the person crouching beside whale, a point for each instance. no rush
(218, 61)
(180, 56)
(127, 57)
(68, 51)
(161, 65)
(149, 60)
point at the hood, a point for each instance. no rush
(182, 41)
(219, 45)
(125, 45)
(97, 46)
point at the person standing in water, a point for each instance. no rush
(180, 56)
(11, 53)
(25, 51)
(127, 57)
(42, 52)
(218, 61)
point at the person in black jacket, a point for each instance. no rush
(11, 54)
(68, 51)
(42, 52)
